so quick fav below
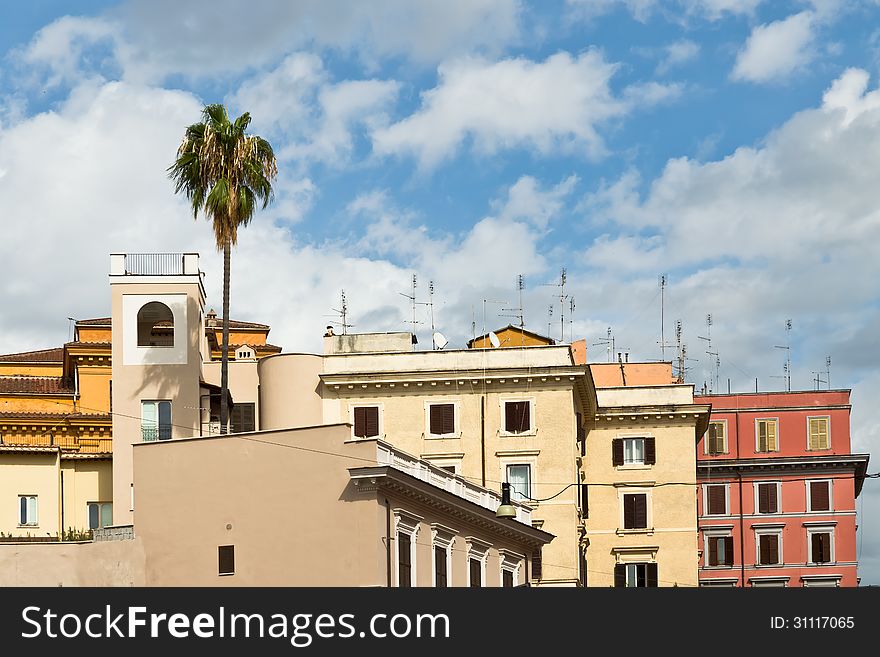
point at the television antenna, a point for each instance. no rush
(549, 318)
(663, 344)
(828, 371)
(412, 298)
(563, 278)
(786, 366)
(609, 344)
(342, 313)
(570, 319)
(517, 313)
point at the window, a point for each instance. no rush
(155, 325)
(633, 451)
(507, 579)
(27, 510)
(716, 500)
(510, 563)
(441, 419)
(100, 514)
(768, 498)
(585, 501)
(440, 567)
(366, 421)
(635, 511)
(476, 572)
(768, 548)
(226, 560)
(716, 438)
(404, 560)
(155, 420)
(765, 431)
(720, 551)
(635, 574)
(537, 564)
(520, 479)
(770, 582)
(818, 428)
(244, 418)
(517, 417)
(819, 496)
(820, 543)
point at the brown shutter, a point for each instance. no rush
(510, 417)
(821, 548)
(226, 559)
(360, 422)
(713, 550)
(619, 574)
(650, 451)
(641, 511)
(617, 451)
(717, 501)
(772, 501)
(537, 564)
(629, 511)
(404, 564)
(763, 498)
(728, 550)
(763, 550)
(651, 574)
(585, 501)
(819, 497)
(769, 549)
(436, 419)
(440, 567)
(507, 579)
(448, 418)
(372, 421)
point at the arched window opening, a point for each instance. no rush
(155, 325)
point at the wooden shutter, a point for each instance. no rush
(244, 418)
(728, 550)
(585, 501)
(442, 419)
(617, 451)
(507, 579)
(360, 422)
(769, 549)
(821, 548)
(767, 502)
(440, 567)
(713, 550)
(537, 564)
(226, 559)
(629, 511)
(715, 436)
(641, 509)
(619, 574)
(762, 435)
(404, 561)
(717, 500)
(651, 574)
(650, 451)
(772, 446)
(635, 511)
(820, 500)
(819, 433)
(372, 421)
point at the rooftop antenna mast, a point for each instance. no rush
(562, 297)
(663, 344)
(342, 311)
(518, 312)
(680, 350)
(709, 352)
(786, 366)
(570, 319)
(549, 318)
(412, 298)
(609, 344)
(828, 371)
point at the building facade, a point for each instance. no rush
(777, 489)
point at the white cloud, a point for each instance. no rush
(527, 201)
(776, 50)
(677, 53)
(557, 104)
(643, 10)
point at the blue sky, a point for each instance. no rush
(732, 145)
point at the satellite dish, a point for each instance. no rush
(440, 340)
(494, 339)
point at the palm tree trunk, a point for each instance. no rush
(224, 359)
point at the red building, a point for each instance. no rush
(776, 489)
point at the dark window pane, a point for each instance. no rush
(650, 451)
(244, 417)
(94, 516)
(537, 564)
(516, 417)
(226, 559)
(635, 511)
(404, 561)
(507, 579)
(476, 570)
(440, 567)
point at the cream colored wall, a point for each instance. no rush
(134, 383)
(85, 481)
(672, 511)
(29, 473)
(290, 392)
(243, 381)
(111, 563)
(551, 451)
(276, 501)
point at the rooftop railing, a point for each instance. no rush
(154, 264)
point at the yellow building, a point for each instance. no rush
(640, 466)
(56, 422)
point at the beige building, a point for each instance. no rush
(488, 415)
(640, 469)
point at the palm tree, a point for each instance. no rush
(224, 173)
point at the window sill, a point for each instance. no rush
(508, 434)
(643, 530)
(27, 526)
(443, 436)
(634, 466)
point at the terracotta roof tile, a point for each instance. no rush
(234, 323)
(54, 355)
(100, 321)
(43, 385)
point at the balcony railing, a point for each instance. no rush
(152, 434)
(154, 264)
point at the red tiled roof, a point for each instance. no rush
(53, 355)
(103, 345)
(100, 321)
(234, 323)
(41, 385)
